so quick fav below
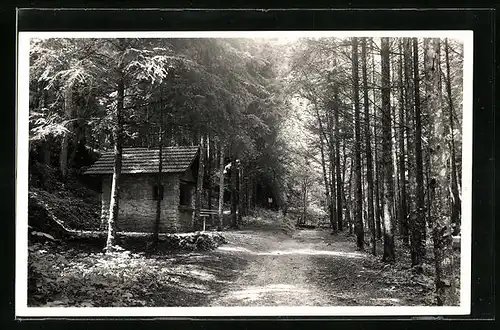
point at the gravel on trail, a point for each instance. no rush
(307, 268)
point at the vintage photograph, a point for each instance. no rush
(270, 170)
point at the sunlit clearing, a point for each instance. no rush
(394, 300)
(294, 252)
(236, 249)
(254, 293)
(316, 252)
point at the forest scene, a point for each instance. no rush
(245, 171)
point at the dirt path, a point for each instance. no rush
(310, 268)
(260, 266)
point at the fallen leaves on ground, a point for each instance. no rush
(62, 274)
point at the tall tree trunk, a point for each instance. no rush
(456, 202)
(348, 210)
(403, 220)
(369, 164)
(439, 183)
(208, 169)
(221, 185)
(389, 255)
(376, 143)
(242, 190)
(234, 198)
(394, 144)
(331, 158)
(357, 151)
(117, 166)
(304, 201)
(418, 222)
(199, 182)
(410, 138)
(68, 113)
(159, 182)
(248, 188)
(337, 159)
(378, 210)
(238, 192)
(323, 166)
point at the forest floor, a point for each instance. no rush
(259, 266)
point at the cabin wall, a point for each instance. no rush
(186, 212)
(137, 208)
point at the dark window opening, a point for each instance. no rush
(185, 194)
(158, 192)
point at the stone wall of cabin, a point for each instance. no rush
(137, 208)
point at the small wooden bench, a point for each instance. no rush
(205, 213)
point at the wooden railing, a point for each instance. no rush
(205, 213)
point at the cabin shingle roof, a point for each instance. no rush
(144, 160)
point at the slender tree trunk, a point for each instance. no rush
(394, 144)
(376, 143)
(47, 144)
(248, 188)
(369, 164)
(234, 198)
(378, 210)
(68, 112)
(238, 192)
(410, 137)
(159, 182)
(199, 182)
(221, 185)
(331, 158)
(337, 160)
(242, 190)
(117, 167)
(439, 183)
(208, 170)
(304, 201)
(347, 221)
(455, 195)
(389, 255)
(325, 172)
(403, 220)
(418, 232)
(357, 151)
(348, 209)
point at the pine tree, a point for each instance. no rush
(388, 220)
(369, 161)
(199, 183)
(456, 202)
(403, 220)
(439, 181)
(418, 221)
(357, 150)
(221, 185)
(117, 165)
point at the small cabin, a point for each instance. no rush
(139, 189)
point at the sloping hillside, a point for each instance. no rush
(54, 205)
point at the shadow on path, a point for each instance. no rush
(309, 268)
